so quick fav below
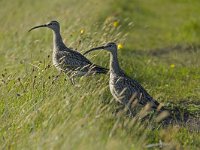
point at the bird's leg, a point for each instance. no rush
(56, 77)
(130, 108)
(119, 108)
(130, 111)
(125, 108)
(71, 80)
(71, 77)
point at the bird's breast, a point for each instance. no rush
(115, 87)
(56, 61)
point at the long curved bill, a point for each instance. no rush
(93, 49)
(44, 25)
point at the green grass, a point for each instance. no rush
(39, 114)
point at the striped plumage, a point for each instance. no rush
(68, 60)
(73, 62)
(122, 87)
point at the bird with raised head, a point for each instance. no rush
(68, 60)
(123, 88)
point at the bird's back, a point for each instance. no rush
(72, 60)
(124, 87)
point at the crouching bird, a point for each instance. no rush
(123, 88)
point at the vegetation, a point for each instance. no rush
(159, 48)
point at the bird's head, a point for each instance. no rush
(54, 25)
(111, 47)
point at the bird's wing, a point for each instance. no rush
(142, 95)
(80, 56)
(72, 59)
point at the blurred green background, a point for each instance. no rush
(159, 48)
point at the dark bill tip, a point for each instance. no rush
(93, 49)
(37, 27)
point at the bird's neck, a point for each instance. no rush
(114, 64)
(58, 44)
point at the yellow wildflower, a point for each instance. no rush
(115, 24)
(119, 46)
(172, 65)
(82, 31)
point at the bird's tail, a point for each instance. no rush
(100, 70)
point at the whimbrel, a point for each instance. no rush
(122, 87)
(68, 60)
